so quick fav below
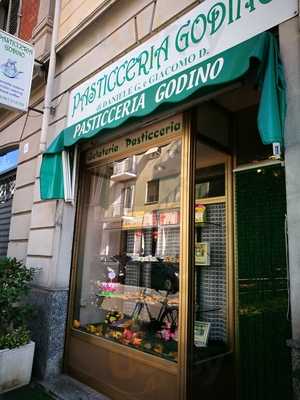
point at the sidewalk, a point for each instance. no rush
(30, 392)
(61, 387)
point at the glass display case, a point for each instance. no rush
(128, 279)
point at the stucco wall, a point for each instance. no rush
(74, 12)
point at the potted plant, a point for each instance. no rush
(16, 349)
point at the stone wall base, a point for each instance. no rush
(295, 352)
(48, 330)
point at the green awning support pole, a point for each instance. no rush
(65, 156)
(74, 175)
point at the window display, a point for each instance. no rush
(127, 288)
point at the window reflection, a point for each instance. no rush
(128, 280)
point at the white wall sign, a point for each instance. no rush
(16, 67)
(207, 30)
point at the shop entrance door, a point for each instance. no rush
(264, 326)
(212, 364)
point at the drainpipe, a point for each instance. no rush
(50, 78)
(8, 17)
(19, 18)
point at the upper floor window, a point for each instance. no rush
(9, 15)
(152, 193)
(8, 161)
(128, 197)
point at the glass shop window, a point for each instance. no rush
(152, 192)
(210, 319)
(128, 274)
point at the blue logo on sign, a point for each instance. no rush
(9, 69)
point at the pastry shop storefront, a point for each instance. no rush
(149, 159)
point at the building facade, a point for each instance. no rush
(174, 260)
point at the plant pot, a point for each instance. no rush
(16, 367)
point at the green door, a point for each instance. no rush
(264, 326)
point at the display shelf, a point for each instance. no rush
(146, 299)
(207, 310)
(205, 223)
(210, 265)
(166, 350)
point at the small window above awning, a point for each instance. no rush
(227, 66)
(9, 161)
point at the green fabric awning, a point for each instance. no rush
(231, 64)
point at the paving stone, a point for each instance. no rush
(63, 387)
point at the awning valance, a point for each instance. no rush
(199, 79)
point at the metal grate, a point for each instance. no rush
(7, 188)
(265, 364)
(130, 242)
(168, 243)
(135, 274)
